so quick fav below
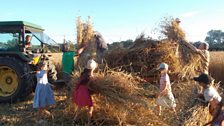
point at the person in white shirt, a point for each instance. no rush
(212, 96)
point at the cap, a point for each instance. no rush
(204, 78)
(177, 20)
(163, 66)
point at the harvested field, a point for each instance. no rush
(120, 93)
(120, 99)
(190, 111)
(216, 66)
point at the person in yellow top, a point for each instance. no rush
(204, 53)
(202, 50)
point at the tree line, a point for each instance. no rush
(215, 39)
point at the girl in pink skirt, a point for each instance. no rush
(81, 94)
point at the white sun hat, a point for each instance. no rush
(91, 64)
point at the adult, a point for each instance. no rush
(212, 96)
(101, 47)
(27, 47)
(28, 42)
(202, 50)
(177, 20)
(67, 63)
(86, 49)
(204, 53)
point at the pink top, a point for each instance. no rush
(165, 82)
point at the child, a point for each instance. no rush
(43, 94)
(165, 96)
(212, 96)
(82, 96)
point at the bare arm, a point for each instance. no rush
(164, 90)
(193, 48)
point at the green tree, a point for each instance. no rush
(215, 38)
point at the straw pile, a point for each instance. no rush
(146, 54)
(121, 98)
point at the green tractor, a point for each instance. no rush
(17, 67)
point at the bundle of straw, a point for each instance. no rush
(85, 39)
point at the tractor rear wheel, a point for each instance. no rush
(15, 80)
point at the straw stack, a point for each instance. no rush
(122, 98)
(85, 38)
(119, 99)
(146, 54)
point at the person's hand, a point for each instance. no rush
(157, 95)
(93, 78)
(164, 92)
(80, 51)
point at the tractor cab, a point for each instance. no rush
(18, 62)
(13, 37)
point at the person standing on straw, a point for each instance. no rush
(212, 96)
(101, 47)
(43, 96)
(202, 50)
(165, 96)
(81, 95)
(95, 49)
(204, 53)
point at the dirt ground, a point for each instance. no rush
(23, 114)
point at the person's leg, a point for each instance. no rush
(39, 114)
(90, 114)
(46, 111)
(77, 113)
(159, 109)
(67, 78)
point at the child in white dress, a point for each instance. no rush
(44, 96)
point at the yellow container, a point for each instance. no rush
(35, 60)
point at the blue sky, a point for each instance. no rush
(116, 19)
